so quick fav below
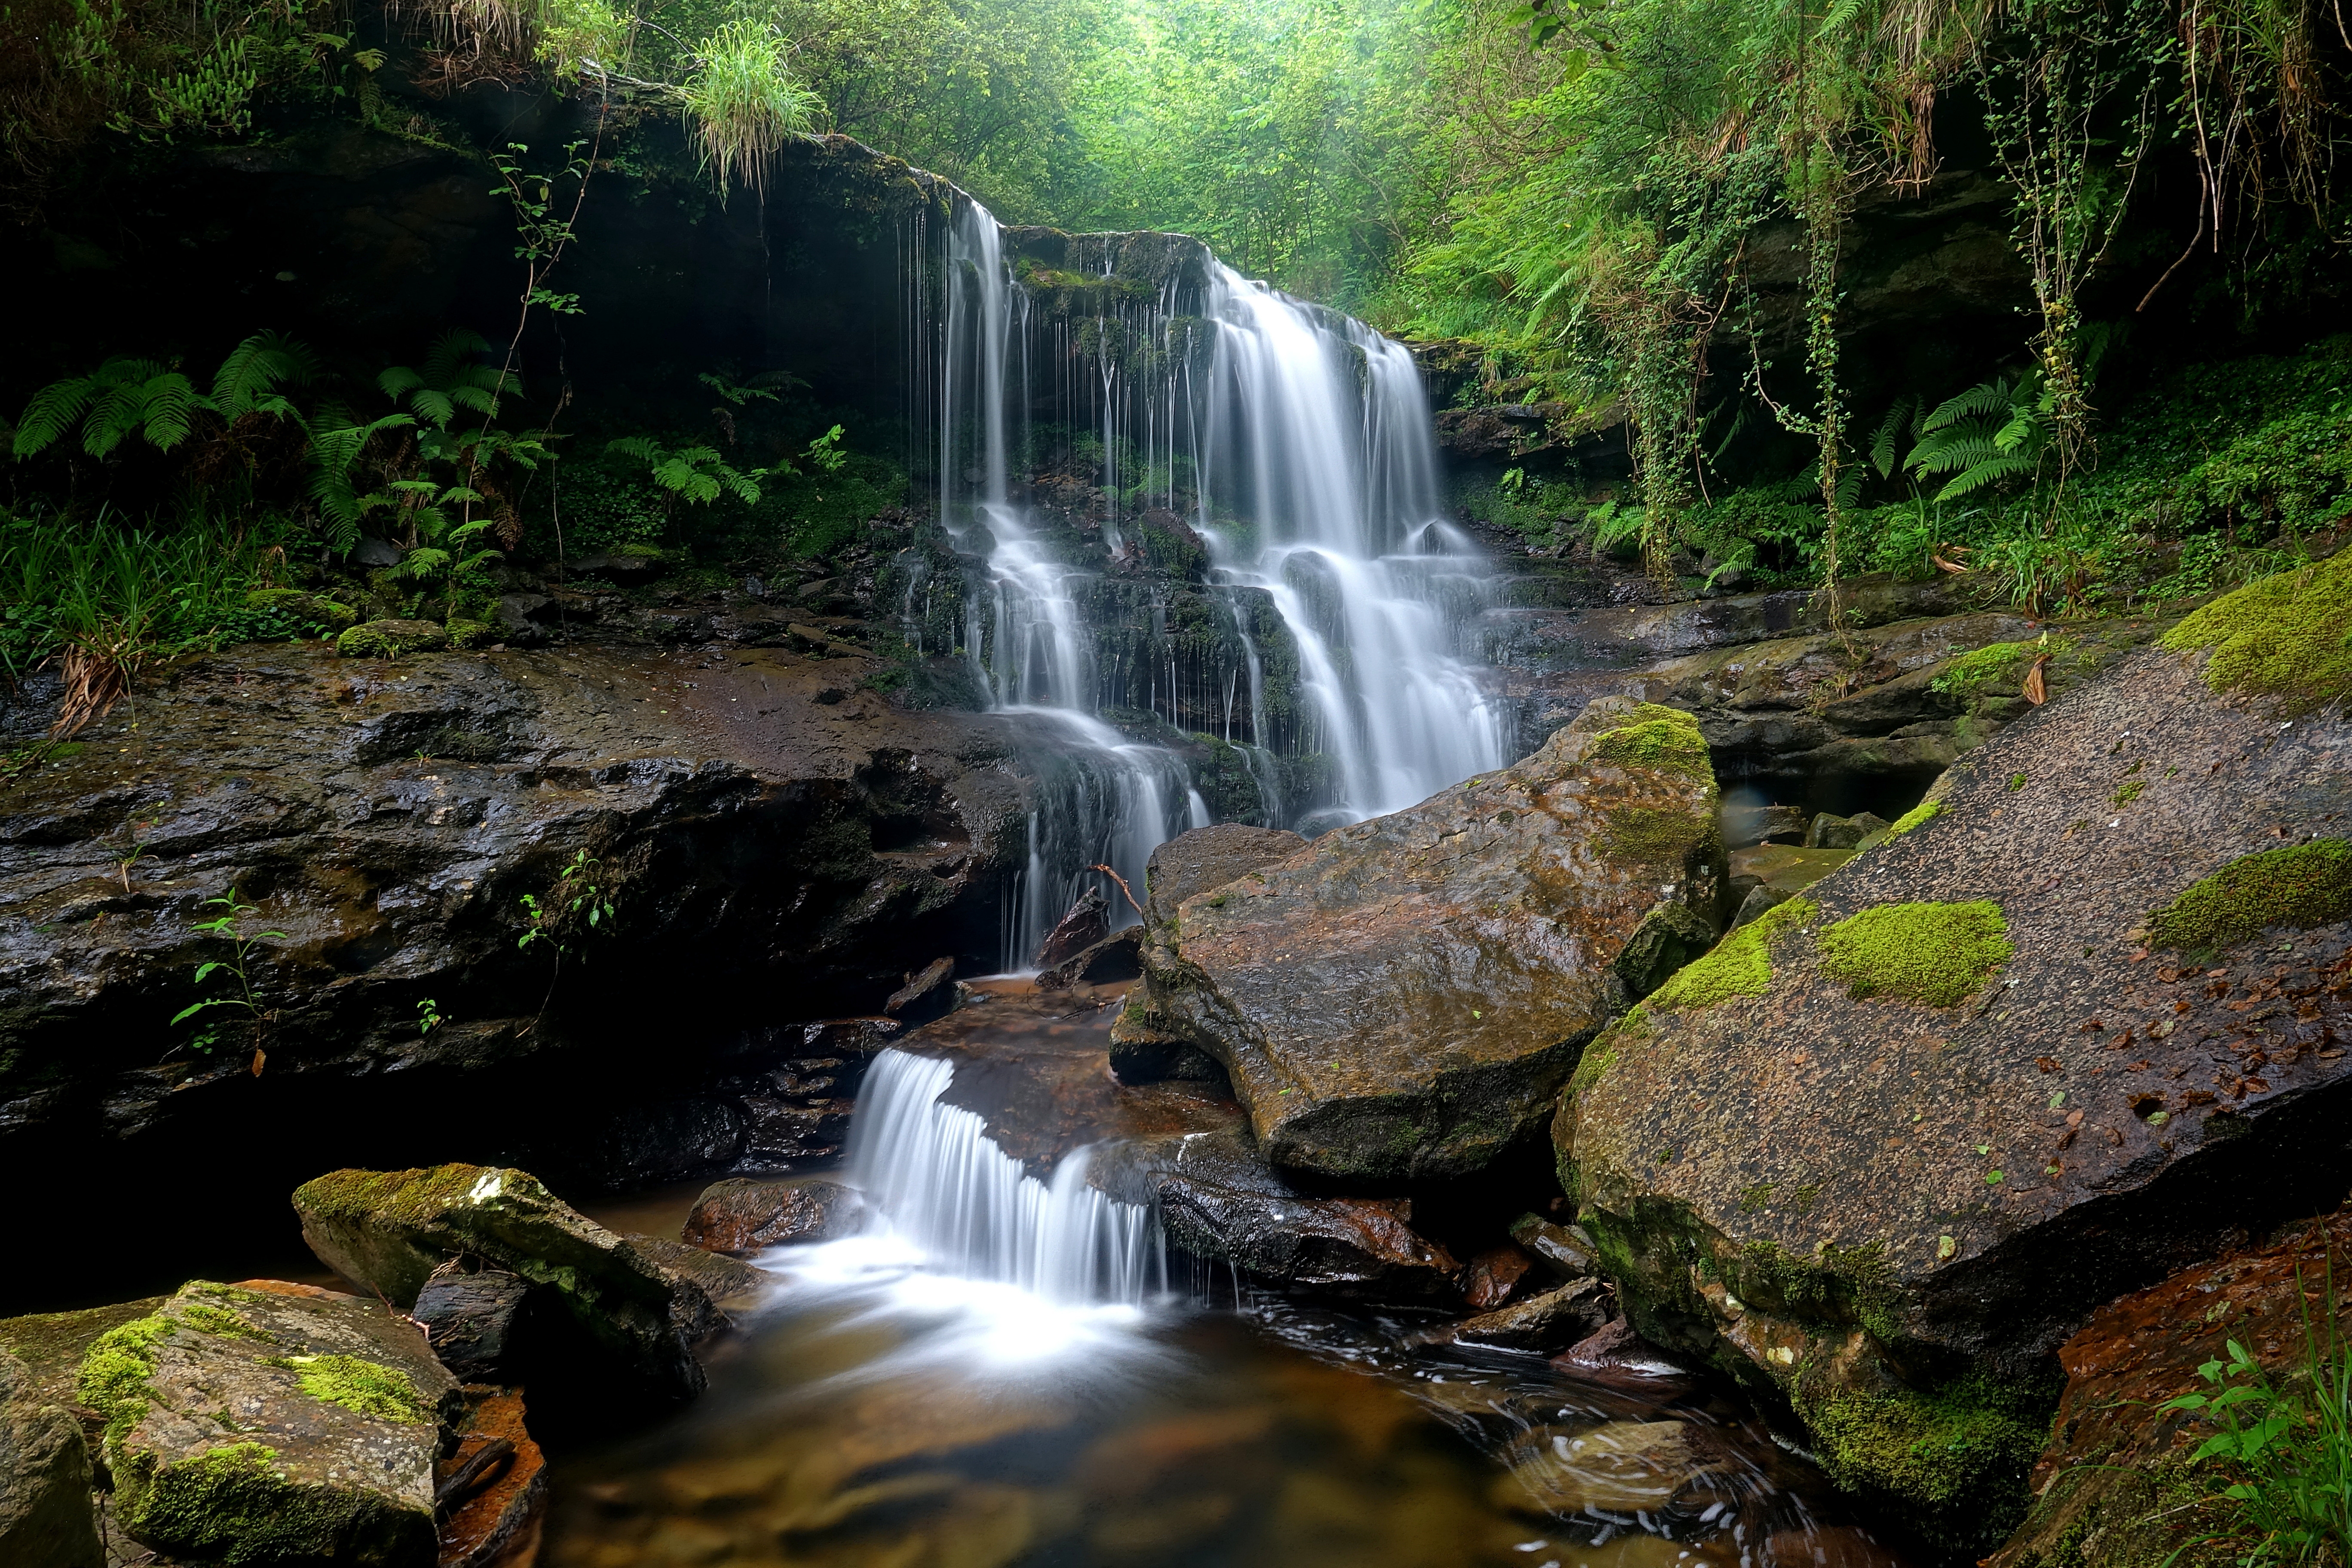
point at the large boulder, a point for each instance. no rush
(46, 1518)
(2117, 1486)
(270, 1423)
(2074, 1023)
(612, 1313)
(1404, 997)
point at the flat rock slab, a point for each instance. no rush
(275, 1423)
(1831, 1159)
(1403, 999)
(627, 1316)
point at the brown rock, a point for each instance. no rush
(1208, 858)
(2115, 1476)
(1543, 1323)
(745, 1217)
(1614, 1343)
(46, 1518)
(493, 1517)
(712, 1287)
(1566, 1250)
(1087, 924)
(1493, 1275)
(1747, 826)
(927, 995)
(1404, 997)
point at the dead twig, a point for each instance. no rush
(1123, 888)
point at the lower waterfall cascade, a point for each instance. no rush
(1306, 439)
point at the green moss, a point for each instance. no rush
(2302, 885)
(1919, 816)
(1979, 668)
(217, 1320)
(233, 1506)
(1935, 954)
(114, 1372)
(316, 609)
(1655, 835)
(1601, 1054)
(390, 639)
(366, 1386)
(400, 1197)
(468, 634)
(1955, 1459)
(1663, 739)
(1738, 965)
(2288, 636)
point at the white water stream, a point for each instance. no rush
(1310, 440)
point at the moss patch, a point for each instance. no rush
(1957, 1456)
(1980, 668)
(1935, 954)
(2288, 636)
(1601, 1054)
(401, 1197)
(468, 634)
(232, 1505)
(390, 639)
(366, 1386)
(1665, 739)
(114, 1373)
(1919, 816)
(1655, 835)
(1738, 965)
(2302, 886)
(214, 1319)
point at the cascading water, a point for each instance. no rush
(1306, 439)
(935, 1176)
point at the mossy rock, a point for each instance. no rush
(1740, 964)
(2299, 887)
(1962, 1448)
(469, 634)
(390, 639)
(2287, 636)
(1659, 737)
(316, 609)
(266, 1423)
(390, 1229)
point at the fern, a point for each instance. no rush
(696, 473)
(1993, 432)
(122, 397)
(1904, 411)
(450, 379)
(249, 379)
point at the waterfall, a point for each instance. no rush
(1317, 520)
(935, 1175)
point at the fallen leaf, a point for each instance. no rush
(2036, 690)
(2087, 1026)
(2047, 1064)
(260, 1057)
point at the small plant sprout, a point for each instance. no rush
(428, 1016)
(574, 901)
(229, 926)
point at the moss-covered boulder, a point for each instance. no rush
(614, 1320)
(267, 1423)
(1404, 997)
(390, 639)
(2116, 1487)
(46, 1518)
(1883, 1150)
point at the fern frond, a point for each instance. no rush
(1953, 447)
(1985, 398)
(397, 379)
(53, 410)
(433, 406)
(256, 367)
(169, 407)
(1890, 429)
(423, 563)
(645, 449)
(450, 353)
(1989, 471)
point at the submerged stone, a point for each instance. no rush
(1404, 997)
(1883, 1149)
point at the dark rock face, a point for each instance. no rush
(2114, 1486)
(470, 1311)
(746, 1216)
(1404, 997)
(277, 1422)
(1107, 963)
(46, 1518)
(1218, 1201)
(602, 1301)
(1087, 924)
(1955, 1095)
(926, 994)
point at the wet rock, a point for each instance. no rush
(1204, 858)
(470, 1311)
(927, 995)
(373, 551)
(1493, 1275)
(1403, 997)
(712, 1290)
(1087, 924)
(1218, 1200)
(1828, 832)
(46, 1518)
(1747, 826)
(746, 1216)
(1780, 871)
(1542, 1322)
(779, 1133)
(1107, 963)
(274, 1423)
(1565, 1249)
(2114, 1486)
(1885, 1149)
(1613, 1344)
(619, 567)
(50, 1345)
(755, 862)
(1624, 1465)
(390, 1230)
(493, 1501)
